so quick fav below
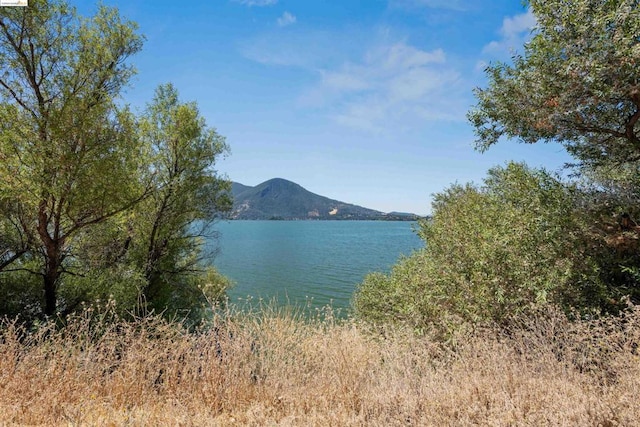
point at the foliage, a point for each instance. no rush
(513, 244)
(69, 156)
(21, 295)
(577, 83)
(608, 194)
(187, 197)
(97, 203)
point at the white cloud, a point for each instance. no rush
(394, 85)
(514, 26)
(301, 48)
(401, 56)
(286, 19)
(433, 4)
(257, 2)
(343, 81)
(280, 49)
(514, 31)
(375, 84)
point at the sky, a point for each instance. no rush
(363, 101)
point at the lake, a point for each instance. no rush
(308, 262)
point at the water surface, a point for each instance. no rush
(308, 262)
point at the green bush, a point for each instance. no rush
(21, 295)
(189, 297)
(492, 251)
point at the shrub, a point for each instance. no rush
(515, 243)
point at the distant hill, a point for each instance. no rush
(281, 199)
(237, 188)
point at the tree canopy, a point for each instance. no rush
(492, 251)
(70, 158)
(92, 197)
(577, 82)
(187, 194)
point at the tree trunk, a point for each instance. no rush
(50, 297)
(53, 256)
(51, 275)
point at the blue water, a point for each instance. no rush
(308, 262)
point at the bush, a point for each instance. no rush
(190, 297)
(513, 244)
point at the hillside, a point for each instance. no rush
(281, 199)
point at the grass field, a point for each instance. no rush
(274, 368)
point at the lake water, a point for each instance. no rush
(308, 262)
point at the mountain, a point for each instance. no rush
(281, 199)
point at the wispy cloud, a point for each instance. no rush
(378, 84)
(286, 19)
(393, 86)
(433, 4)
(307, 49)
(514, 33)
(256, 2)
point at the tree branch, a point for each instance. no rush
(18, 99)
(12, 259)
(84, 223)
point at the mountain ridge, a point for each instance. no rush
(281, 199)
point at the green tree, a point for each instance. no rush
(69, 156)
(188, 196)
(578, 83)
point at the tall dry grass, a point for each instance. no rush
(274, 368)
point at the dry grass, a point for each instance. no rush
(276, 369)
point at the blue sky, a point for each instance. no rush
(363, 101)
